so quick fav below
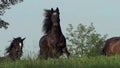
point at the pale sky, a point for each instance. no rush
(26, 19)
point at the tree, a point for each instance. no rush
(84, 40)
(5, 4)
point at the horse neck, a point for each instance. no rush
(56, 29)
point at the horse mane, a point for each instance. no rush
(47, 21)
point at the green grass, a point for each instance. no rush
(85, 62)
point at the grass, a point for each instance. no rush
(85, 62)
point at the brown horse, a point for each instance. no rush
(112, 46)
(53, 43)
(14, 50)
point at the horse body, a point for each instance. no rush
(112, 46)
(14, 50)
(57, 43)
(53, 43)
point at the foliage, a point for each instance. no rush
(84, 62)
(3, 24)
(5, 4)
(84, 40)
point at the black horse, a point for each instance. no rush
(14, 50)
(53, 43)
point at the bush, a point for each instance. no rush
(84, 40)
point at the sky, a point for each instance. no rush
(26, 19)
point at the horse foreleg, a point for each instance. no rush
(66, 51)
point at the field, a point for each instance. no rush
(85, 62)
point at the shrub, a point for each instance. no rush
(84, 40)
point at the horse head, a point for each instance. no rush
(15, 49)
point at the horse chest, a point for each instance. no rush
(53, 38)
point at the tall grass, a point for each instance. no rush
(85, 62)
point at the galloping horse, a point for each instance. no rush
(112, 46)
(53, 43)
(14, 50)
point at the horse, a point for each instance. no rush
(14, 51)
(112, 46)
(53, 43)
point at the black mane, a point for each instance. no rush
(47, 21)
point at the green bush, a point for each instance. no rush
(84, 40)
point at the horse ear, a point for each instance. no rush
(51, 9)
(23, 39)
(57, 9)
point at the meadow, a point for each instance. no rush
(72, 62)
